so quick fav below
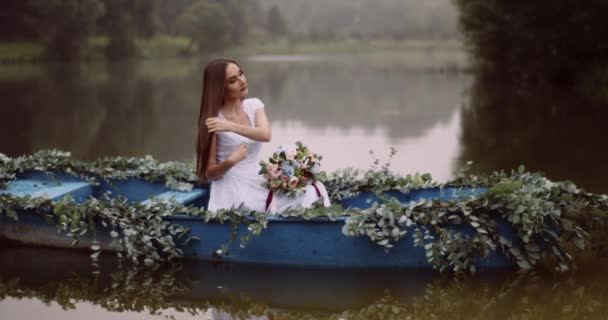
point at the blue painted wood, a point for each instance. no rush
(317, 242)
(137, 190)
(286, 241)
(51, 185)
(34, 229)
(320, 242)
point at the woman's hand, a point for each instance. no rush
(218, 124)
(238, 154)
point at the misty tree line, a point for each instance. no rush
(65, 26)
(369, 19)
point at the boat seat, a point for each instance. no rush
(42, 185)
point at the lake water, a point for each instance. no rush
(59, 284)
(424, 103)
(341, 106)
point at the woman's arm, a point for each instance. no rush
(217, 170)
(261, 132)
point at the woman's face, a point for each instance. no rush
(236, 82)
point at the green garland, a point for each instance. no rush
(139, 231)
(175, 175)
(532, 204)
(535, 206)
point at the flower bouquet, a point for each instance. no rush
(291, 169)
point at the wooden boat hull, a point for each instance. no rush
(286, 241)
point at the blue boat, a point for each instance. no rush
(317, 242)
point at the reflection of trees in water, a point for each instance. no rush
(539, 96)
(272, 82)
(37, 103)
(170, 291)
(552, 130)
(14, 123)
(151, 107)
(113, 110)
(328, 94)
(131, 101)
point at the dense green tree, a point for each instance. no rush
(368, 19)
(66, 25)
(255, 12)
(169, 11)
(560, 41)
(243, 16)
(16, 21)
(122, 35)
(207, 24)
(125, 21)
(145, 15)
(239, 19)
(276, 26)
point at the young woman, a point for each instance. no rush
(231, 130)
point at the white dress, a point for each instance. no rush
(242, 184)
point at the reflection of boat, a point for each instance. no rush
(242, 291)
(317, 242)
(196, 283)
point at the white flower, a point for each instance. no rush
(291, 154)
(287, 147)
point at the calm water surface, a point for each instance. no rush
(59, 284)
(342, 106)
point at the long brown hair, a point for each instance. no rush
(213, 98)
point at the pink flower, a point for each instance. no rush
(290, 154)
(284, 178)
(273, 170)
(293, 182)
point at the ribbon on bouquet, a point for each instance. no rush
(320, 190)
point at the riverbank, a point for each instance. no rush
(348, 46)
(159, 46)
(163, 46)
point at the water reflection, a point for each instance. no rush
(554, 130)
(343, 94)
(67, 288)
(372, 101)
